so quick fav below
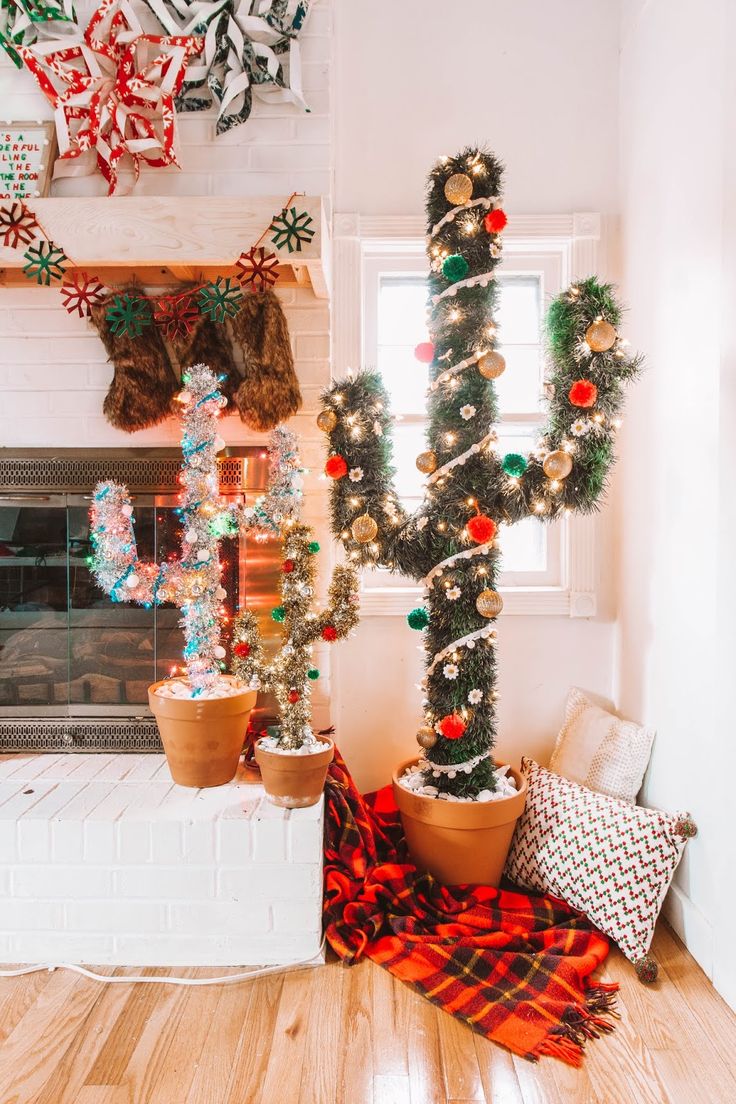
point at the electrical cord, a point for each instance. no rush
(228, 979)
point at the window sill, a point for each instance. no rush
(517, 601)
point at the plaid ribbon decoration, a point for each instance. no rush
(514, 968)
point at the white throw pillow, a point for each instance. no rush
(598, 750)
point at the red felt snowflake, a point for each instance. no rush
(176, 315)
(18, 225)
(258, 267)
(81, 292)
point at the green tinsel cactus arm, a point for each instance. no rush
(448, 544)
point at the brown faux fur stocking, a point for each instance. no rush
(144, 383)
(209, 343)
(269, 393)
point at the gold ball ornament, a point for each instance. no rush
(426, 737)
(489, 603)
(364, 529)
(426, 462)
(557, 464)
(491, 365)
(600, 336)
(458, 189)
(327, 420)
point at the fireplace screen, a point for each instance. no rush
(74, 665)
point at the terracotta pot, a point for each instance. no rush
(203, 739)
(294, 781)
(460, 842)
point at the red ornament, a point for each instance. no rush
(424, 352)
(452, 726)
(495, 220)
(257, 267)
(294, 696)
(583, 393)
(288, 566)
(80, 293)
(481, 529)
(176, 314)
(242, 649)
(329, 632)
(18, 225)
(336, 467)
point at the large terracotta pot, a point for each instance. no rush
(203, 739)
(294, 781)
(459, 841)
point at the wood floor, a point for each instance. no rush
(337, 1036)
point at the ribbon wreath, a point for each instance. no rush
(113, 92)
(242, 53)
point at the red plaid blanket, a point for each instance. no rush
(516, 969)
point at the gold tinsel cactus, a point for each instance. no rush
(291, 672)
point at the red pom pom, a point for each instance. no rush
(495, 220)
(481, 529)
(452, 726)
(336, 467)
(294, 696)
(329, 632)
(424, 352)
(242, 649)
(583, 393)
(288, 566)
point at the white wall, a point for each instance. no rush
(675, 528)
(538, 83)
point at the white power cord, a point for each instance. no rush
(228, 979)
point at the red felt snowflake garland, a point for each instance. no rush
(175, 315)
(257, 267)
(18, 225)
(583, 393)
(80, 293)
(46, 262)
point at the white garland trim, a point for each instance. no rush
(484, 201)
(461, 457)
(479, 550)
(462, 642)
(483, 278)
(448, 372)
(453, 768)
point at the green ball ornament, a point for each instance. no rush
(313, 674)
(278, 614)
(455, 267)
(313, 547)
(514, 464)
(418, 618)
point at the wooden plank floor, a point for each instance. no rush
(337, 1036)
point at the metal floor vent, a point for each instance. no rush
(95, 734)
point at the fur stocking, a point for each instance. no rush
(209, 343)
(269, 393)
(144, 383)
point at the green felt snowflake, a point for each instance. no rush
(46, 262)
(221, 299)
(291, 228)
(129, 315)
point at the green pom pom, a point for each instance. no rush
(455, 267)
(313, 674)
(418, 618)
(313, 547)
(279, 613)
(514, 464)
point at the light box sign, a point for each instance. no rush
(26, 157)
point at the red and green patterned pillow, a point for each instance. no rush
(609, 859)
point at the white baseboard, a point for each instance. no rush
(692, 927)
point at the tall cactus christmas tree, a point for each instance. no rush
(449, 543)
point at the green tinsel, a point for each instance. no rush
(455, 268)
(514, 464)
(418, 618)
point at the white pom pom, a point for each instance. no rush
(219, 444)
(131, 581)
(127, 510)
(218, 651)
(203, 555)
(220, 593)
(191, 536)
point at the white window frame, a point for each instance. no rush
(568, 243)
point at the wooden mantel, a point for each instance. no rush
(165, 239)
